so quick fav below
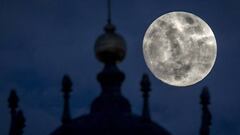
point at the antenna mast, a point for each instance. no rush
(109, 11)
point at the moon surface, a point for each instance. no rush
(179, 48)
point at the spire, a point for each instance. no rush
(66, 89)
(13, 105)
(109, 28)
(17, 118)
(110, 46)
(206, 114)
(109, 3)
(145, 88)
(20, 123)
(110, 49)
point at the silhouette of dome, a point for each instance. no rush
(110, 112)
(108, 124)
(110, 45)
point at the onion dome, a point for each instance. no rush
(110, 46)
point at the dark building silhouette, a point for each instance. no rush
(110, 113)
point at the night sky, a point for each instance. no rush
(41, 40)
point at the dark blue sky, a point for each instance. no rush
(41, 40)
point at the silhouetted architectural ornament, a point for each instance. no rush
(17, 118)
(66, 89)
(13, 100)
(145, 88)
(206, 114)
(110, 112)
(20, 123)
(110, 46)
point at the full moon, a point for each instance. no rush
(179, 48)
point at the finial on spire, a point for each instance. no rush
(145, 84)
(145, 88)
(109, 3)
(110, 46)
(205, 97)
(109, 28)
(66, 89)
(66, 84)
(206, 114)
(13, 99)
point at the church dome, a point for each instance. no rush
(110, 113)
(100, 123)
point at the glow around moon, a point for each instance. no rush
(179, 48)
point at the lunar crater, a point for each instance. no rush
(189, 20)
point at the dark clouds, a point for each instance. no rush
(40, 40)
